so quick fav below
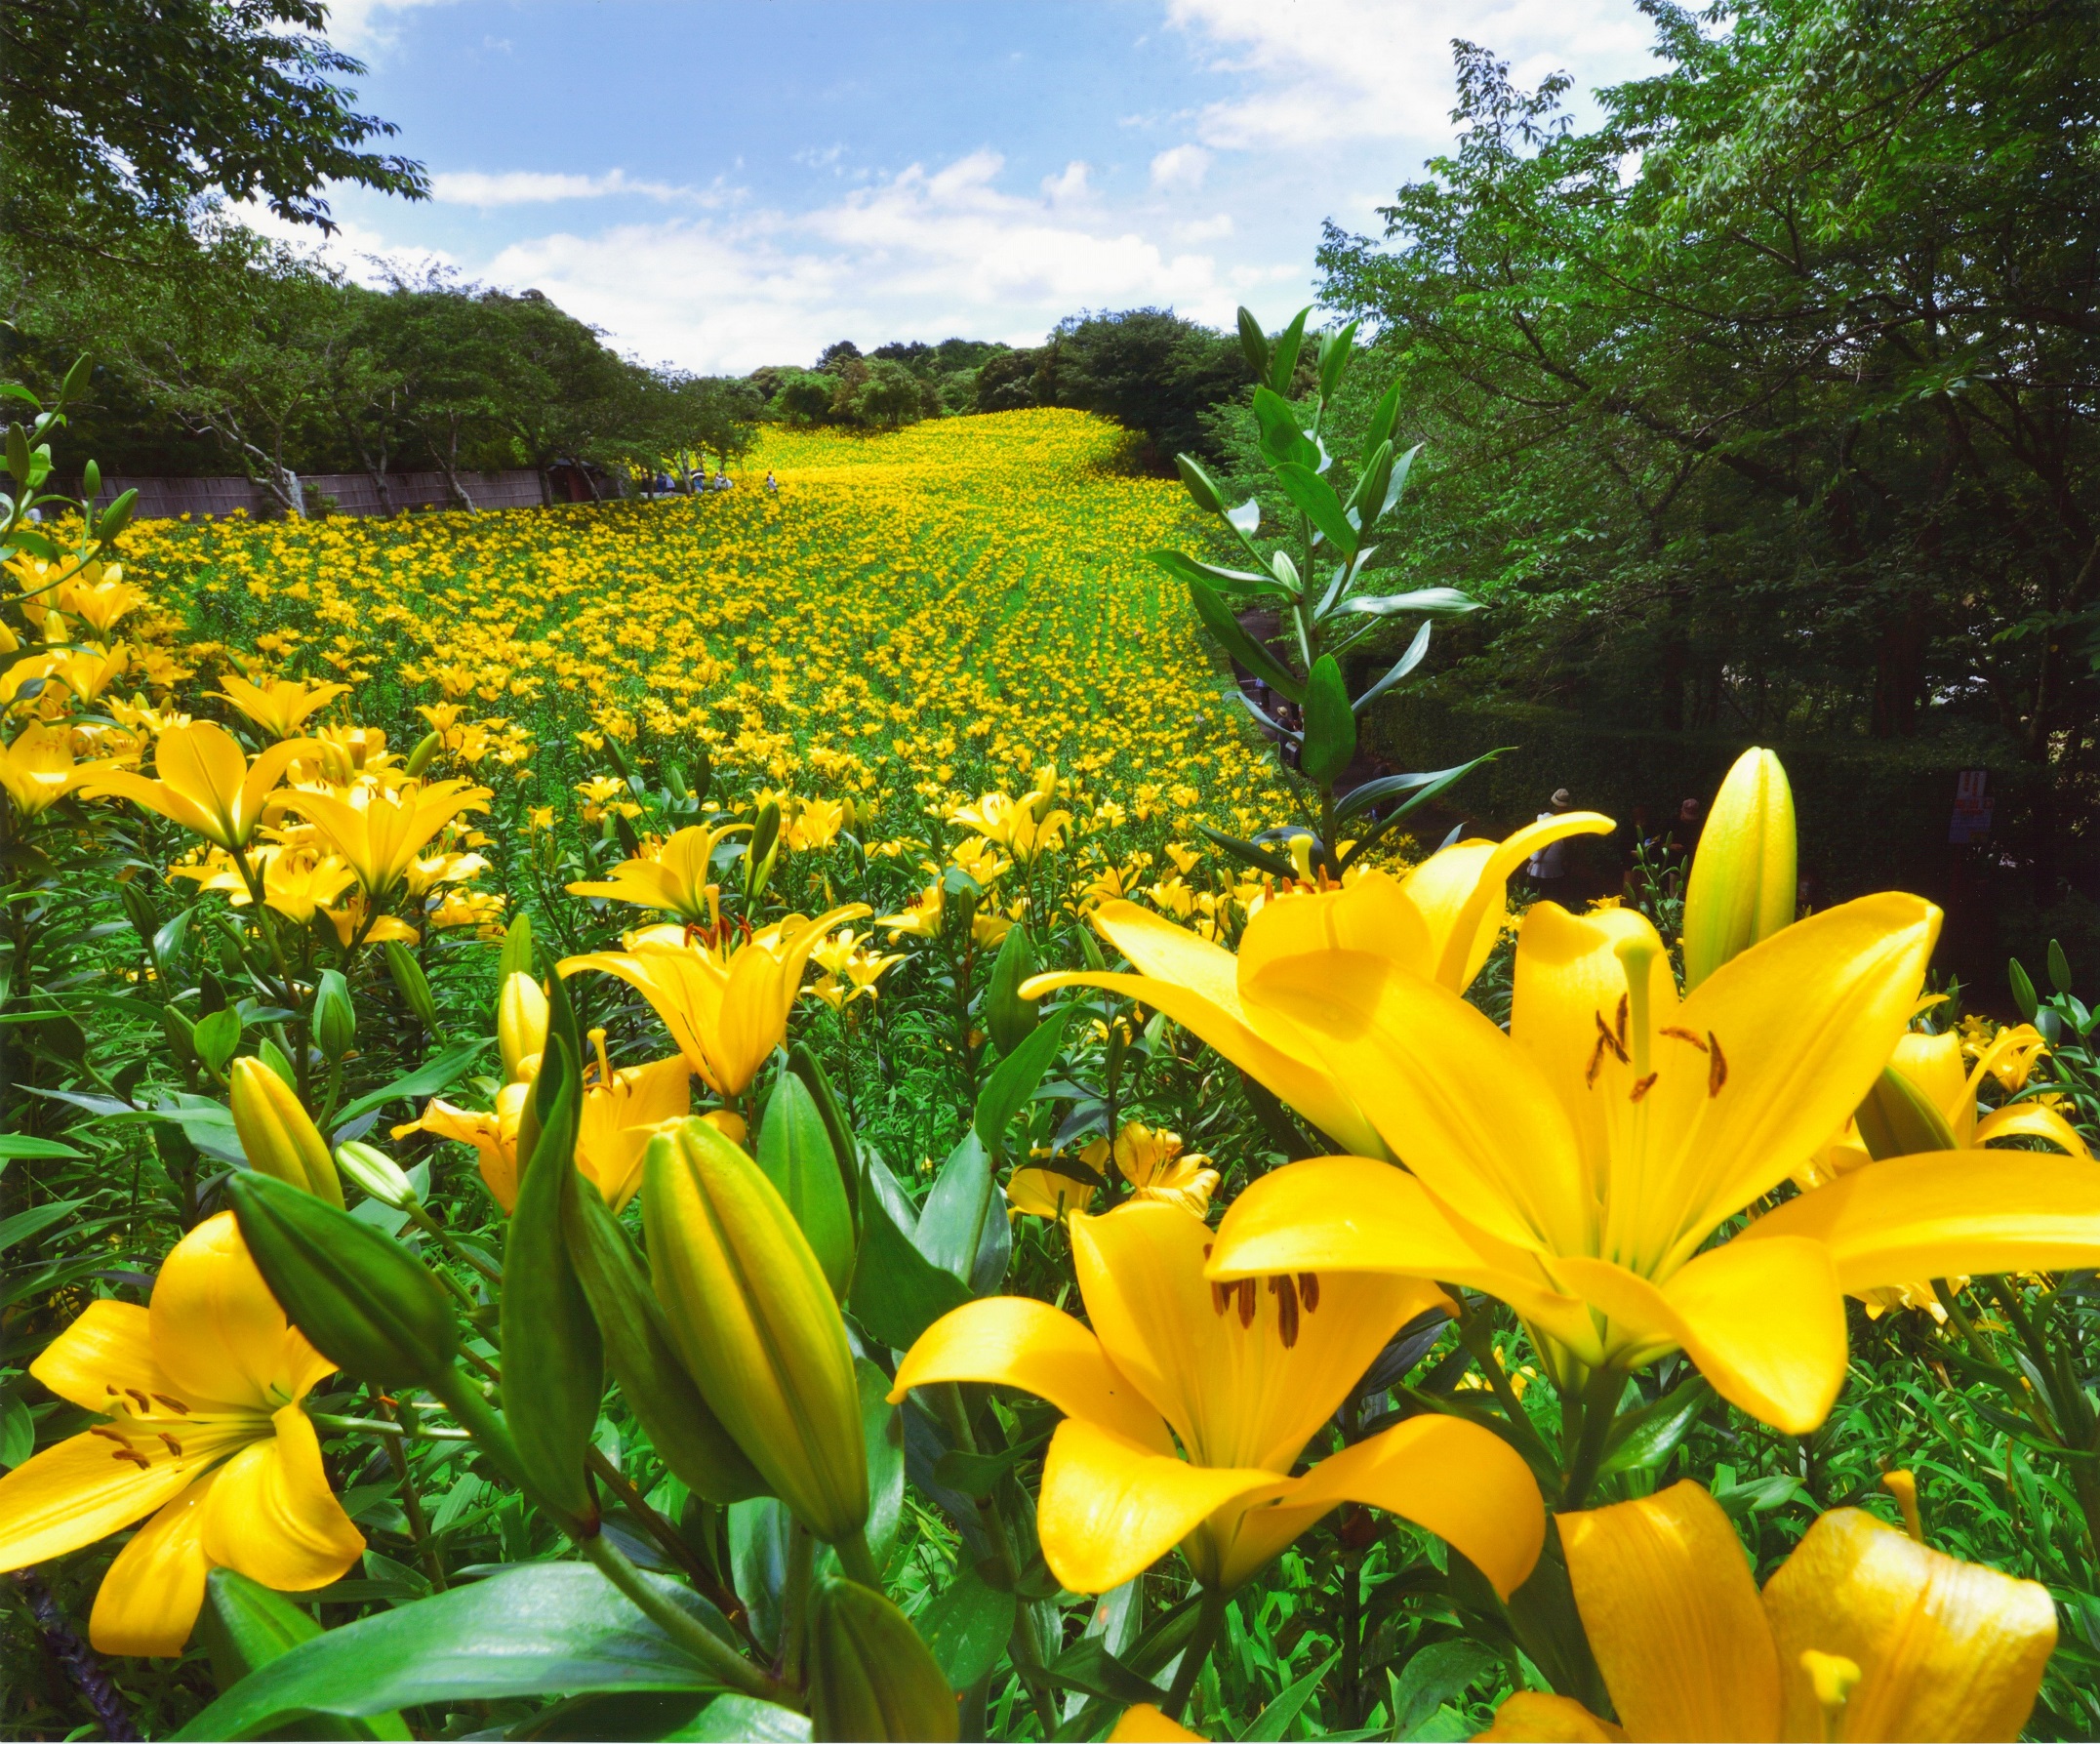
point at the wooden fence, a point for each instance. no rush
(348, 493)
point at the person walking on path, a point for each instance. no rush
(1548, 869)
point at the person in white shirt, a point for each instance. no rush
(1548, 869)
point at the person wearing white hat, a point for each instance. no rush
(1548, 869)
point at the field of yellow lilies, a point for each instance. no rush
(766, 1115)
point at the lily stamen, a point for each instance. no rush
(1716, 1068)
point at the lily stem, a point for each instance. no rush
(1600, 1402)
(687, 1631)
(1209, 1620)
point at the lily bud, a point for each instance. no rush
(333, 1020)
(1742, 887)
(412, 984)
(520, 1026)
(278, 1137)
(1009, 1017)
(376, 1173)
(753, 1319)
(870, 1675)
(427, 748)
(366, 1302)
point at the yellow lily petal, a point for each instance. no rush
(1673, 1618)
(1016, 1341)
(1945, 1650)
(1533, 1717)
(1463, 891)
(150, 1600)
(1338, 1214)
(1110, 1508)
(1196, 983)
(219, 1332)
(1945, 1214)
(1933, 1066)
(2030, 1120)
(1044, 1193)
(617, 1118)
(1453, 1100)
(1372, 914)
(1570, 983)
(272, 1516)
(1143, 1723)
(109, 1345)
(1806, 1020)
(1244, 1373)
(89, 1486)
(1763, 1321)
(1457, 1480)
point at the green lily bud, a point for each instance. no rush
(1742, 888)
(687, 1436)
(277, 1135)
(333, 1020)
(753, 1319)
(427, 748)
(553, 1362)
(795, 1152)
(412, 984)
(1008, 1017)
(1201, 489)
(366, 1302)
(2025, 1001)
(960, 895)
(762, 851)
(376, 1173)
(1896, 1120)
(516, 958)
(870, 1675)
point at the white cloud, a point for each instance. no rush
(528, 187)
(1070, 185)
(1381, 69)
(361, 27)
(1180, 167)
(925, 253)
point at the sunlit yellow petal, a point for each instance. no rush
(272, 1516)
(1453, 1098)
(1673, 1618)
(1014, 1341)
(109, 1346)
(1947, 1649)
(2030, 1120)
(1110, 1508)
(89, 1486)
(1462, 891)
(1247, 1380)
(219, 1332)
(1764, 1323)
(1949, 1213)
(150, 1600)
(1461, 1482)
(1143, 1723)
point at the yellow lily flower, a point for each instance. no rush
(1044, 1193)
(727, 1012)
(494, 1135)
(622, 1110)
(280, 705)
(202, 1428)
(679, 878)
(205, 784)
(1149, 1159)
(1932, 1066)
(98, 596)
(38, 770)
(1861, 1633)
(350, 920)
(1577, 1165)
(1439, 922)
(1241, 1377)
(89, 671)
(379, 833)
(295, 882)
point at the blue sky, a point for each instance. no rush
(721, 185)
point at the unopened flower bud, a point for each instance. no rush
(520, 1026)
(369, 1306)
(278, 1137)
(1742, 886)
(376, 1173)
(753, 1320)
(870, 1675)
(335, 1018)
(427, 748)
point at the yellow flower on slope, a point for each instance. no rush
(726, 1011)
(206, 783)
(279, 706)
(1151, 1159)
(1243, 1377)
(202, 1428)
(1439, 922)
(38, 770)
(1861, 1633)
(380, 833)
(679, 878)
(1577, 1165)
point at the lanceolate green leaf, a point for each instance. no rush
(543, 1629)
(1218, 620)
(1314, 499)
